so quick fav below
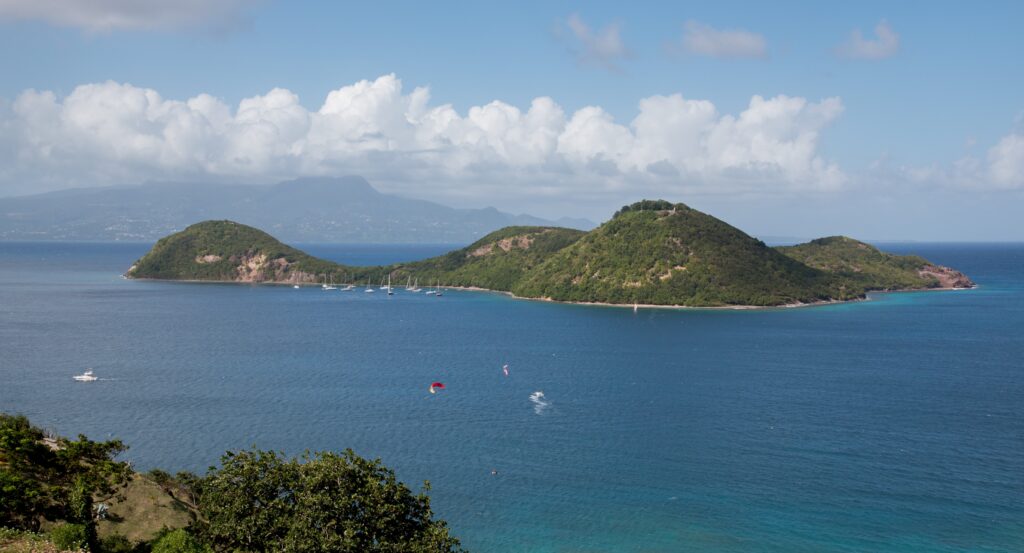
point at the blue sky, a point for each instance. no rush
(934, 116)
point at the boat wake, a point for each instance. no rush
(540, 403)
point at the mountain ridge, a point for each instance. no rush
(307, 210)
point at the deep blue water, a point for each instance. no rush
(890, 425)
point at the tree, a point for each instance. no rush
(55, 479)
(324, 502)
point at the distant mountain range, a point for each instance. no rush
(338, 210)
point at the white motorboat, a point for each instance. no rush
(87, 376)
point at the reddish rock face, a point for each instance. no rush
(258, 268)
(948, 278)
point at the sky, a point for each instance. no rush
(884, 121)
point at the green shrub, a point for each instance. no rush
(69, 536)
(118, 544)
(178, 541)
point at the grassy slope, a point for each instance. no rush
(862, 265)
(675, 257)
(486, 264)
(143, 509)
(13, 541)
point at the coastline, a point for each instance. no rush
(797, 305)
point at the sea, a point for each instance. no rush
(889, 425)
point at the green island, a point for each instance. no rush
(652, 252)
(72, 495)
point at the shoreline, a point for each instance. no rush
(823, 303)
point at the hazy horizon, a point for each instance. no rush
(864, 120)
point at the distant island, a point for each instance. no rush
(652, 252)
(311, 209)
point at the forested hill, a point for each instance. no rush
(865, 266)
(660, 253)
(650, 252)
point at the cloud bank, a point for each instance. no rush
(113, 132)
(111, 15)
(703, 40)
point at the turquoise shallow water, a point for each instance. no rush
(890, 425)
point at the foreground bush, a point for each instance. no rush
(70, 536)
(178, 541)
(256, 501)
(259, 501)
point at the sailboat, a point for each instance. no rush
(382, 286)
(390, 291)
(332, 286)
(408, 283)
(437, 289)
(415, 286)
(369, 289)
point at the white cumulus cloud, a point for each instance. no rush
(1002, 168)
(111, 132)
(111, 15)
(885, 44)
(704, 40)
(1006, 162)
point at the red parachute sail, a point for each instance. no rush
(434, 386)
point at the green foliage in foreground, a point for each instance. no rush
(259, 501)
(179, 541)
(256, 501)
(70, 536)
(862, 265)
(55, 480)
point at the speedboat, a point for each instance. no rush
(87, 376)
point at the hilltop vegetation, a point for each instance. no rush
(496, 261)
(669, 254)
(861, 265)
(650, 252)
(229, 251)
